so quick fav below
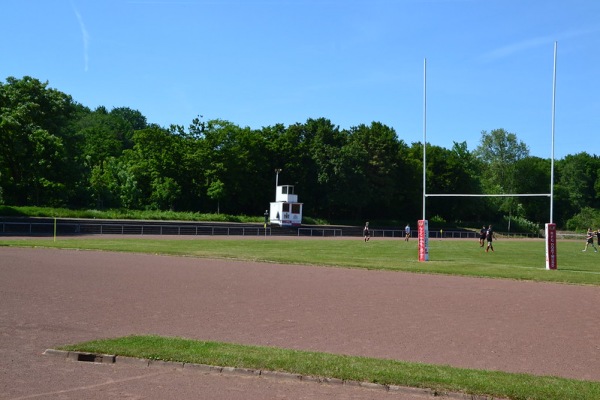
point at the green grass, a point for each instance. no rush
(513, 259)
(50, 212)
(363, 369)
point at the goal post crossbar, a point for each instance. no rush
(491, 195)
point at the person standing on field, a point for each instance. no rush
(482, 235)
(490, 236)
(406, 232)
(589, 239)
(366, 233)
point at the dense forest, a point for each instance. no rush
(58, 153)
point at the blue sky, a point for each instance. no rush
(258, 63)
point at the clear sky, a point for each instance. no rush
(261, 62)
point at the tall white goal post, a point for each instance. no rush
(550, 227)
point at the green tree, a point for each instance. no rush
(578, 181)
(114, 185)
(584, 219)
(499, 151)
(289, 149)
(238, 159)
(374, 167)
(165, 192)
(324, 144)
(216, 191)
(133, 120)
(453, 172)
(533, 176)
(102, 182)
(101, 136)
(34, 160)
(156, 160)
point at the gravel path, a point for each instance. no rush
(53, 297)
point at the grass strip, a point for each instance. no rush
(363, 369)
(128, 214)
(513, 259)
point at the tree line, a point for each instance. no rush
(59, 153)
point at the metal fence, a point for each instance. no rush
(12, 228)
(320, 232)
(141, 229)
(92, 227)
(386, 233)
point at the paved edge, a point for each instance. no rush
(279, 375)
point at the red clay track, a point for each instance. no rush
(54, 297)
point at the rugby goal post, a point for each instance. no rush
(550, 228)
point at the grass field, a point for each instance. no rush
(513, 259)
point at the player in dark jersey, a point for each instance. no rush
(482, 234)
(366, 232)
(589, 240)
(490, 236)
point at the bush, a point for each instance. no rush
(436, 219)
(587, 218)
(522, 225)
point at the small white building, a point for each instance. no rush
(285, 210)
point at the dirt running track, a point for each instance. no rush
(54, 297)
